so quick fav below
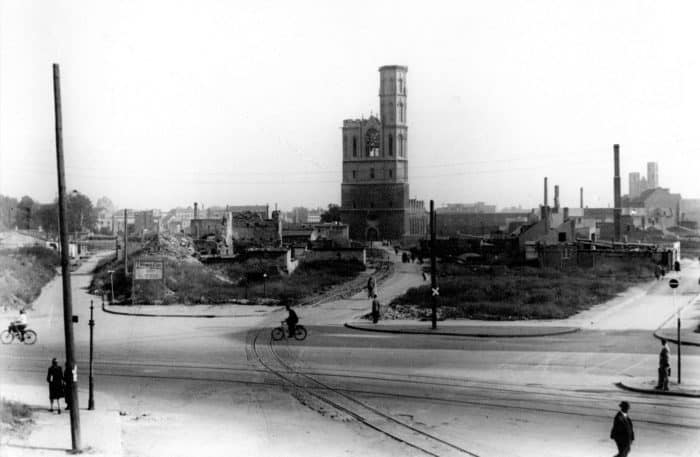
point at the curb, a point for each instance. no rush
(656, 392)
(469, 335)
(203, 316)
(674, 340)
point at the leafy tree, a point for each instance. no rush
(46, 217)
(332, 215)
(8, 208)
(23, 213)
(81, 214)
(105, 204)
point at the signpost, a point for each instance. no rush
(673, 284)
(149, 273)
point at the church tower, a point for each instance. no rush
(374, 192)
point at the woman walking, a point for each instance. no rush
(55, 379)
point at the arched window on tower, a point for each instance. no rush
(401, 112)
(391, 144)
(400, 86)
(400, 139)
(354, 146)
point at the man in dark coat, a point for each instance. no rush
(55, 379)
(622, 431)
(375, 308)
(664, 366)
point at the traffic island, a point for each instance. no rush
(646, 386)
(473, 331)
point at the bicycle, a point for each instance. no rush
(281, 332)
(10, 334)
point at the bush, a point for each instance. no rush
(523, 292)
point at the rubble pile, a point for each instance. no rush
(175, 246)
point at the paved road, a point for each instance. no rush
(222, 385)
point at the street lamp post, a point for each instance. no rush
(91, 323)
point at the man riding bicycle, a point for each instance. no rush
(292, 320)
(20, 324)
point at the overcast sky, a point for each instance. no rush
(223, 102)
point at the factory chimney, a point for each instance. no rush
(195, 211)
(617, 210)
(556, 199)
(581, 191)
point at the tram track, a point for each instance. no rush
(383, 423)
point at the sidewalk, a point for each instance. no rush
(50, 435)
(646, 386)
(465, 329)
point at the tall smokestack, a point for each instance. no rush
(617, 210)
(556, 198)
(581, 197)
(195, 210)
(545, 208)
(545, 192)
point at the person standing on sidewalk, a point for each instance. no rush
(664, 366)
(371, 285)
(622, 431)
(55, 379)
(375, 309)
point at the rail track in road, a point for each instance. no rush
(466, 392)
(369, 416)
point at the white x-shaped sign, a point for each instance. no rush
(436, 291)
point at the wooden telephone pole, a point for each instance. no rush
(71, 367)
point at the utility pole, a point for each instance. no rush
(91, 323)
(126, 265)
(433, 267)
(65, 266)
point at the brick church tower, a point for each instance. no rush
(374, 192)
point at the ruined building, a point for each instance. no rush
(374, 191)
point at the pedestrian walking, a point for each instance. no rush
(657, 272)
(664, 366)
(55, 379)
(622, 431)
(371, 285)
(375, 309)
(396, 250)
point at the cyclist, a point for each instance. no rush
(292, 320)
(20, 324)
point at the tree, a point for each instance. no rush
(8, 208)
(81, 214)
(23, 213)
(105, 204)
(332, 215)
(46, 217)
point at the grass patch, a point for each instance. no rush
(520, 292)
(191, 282)
(24, 272)
(15, 417)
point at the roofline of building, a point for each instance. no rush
(393, 67)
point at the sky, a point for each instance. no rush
(166, 103)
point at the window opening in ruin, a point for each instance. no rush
(371, 173)
(391, 144)
(354, 174)
(391, 174)
(372, 143)
(354, 146)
